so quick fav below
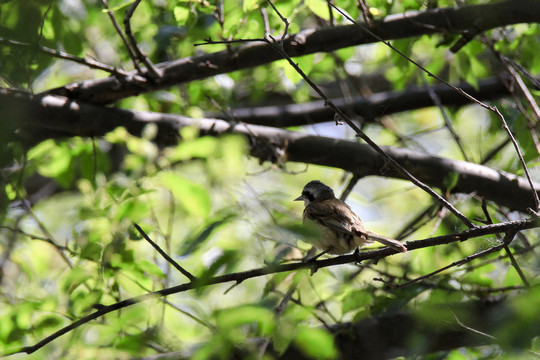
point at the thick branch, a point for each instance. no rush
(53, 116)
(371, 107)
(449, 20)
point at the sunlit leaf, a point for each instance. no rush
(193, 197)
(133, 209)
(319, 8)
(250, 5)
(180, 13)
(150, 268)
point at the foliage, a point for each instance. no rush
(216, 210)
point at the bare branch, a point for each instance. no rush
(65, 56)
(370, 107)
(446, 118)
(153, 72)
(165, 255)
(121, 34)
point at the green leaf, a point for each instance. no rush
(226, 262)
(75, 277)
(191, 196)
(305, 63)
(180, 13)
(481, 276)
(315, 343)
(250, 5)
(120, 6)
(450, 181)
(133, 209)
(191, 244)
(521, 320)
(319, 8)
(82, 301)
(48, 321)
(525, 140)
(150, 268)
(274, 282)
(228, 161)
(356, 299)
(91, 251)
(247, 314)
(55, 161)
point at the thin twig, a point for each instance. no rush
(506, 248)
(350, 186)
(471, 329)
(65, 56)
(37, 237)
(121, 34)
(508, 238)
(534, 106)
(430, 74)
(209, 41)
(518, 151)
(517, 267)
(48, 235)
(164, 254)
(513, 68)
(49, 7)
(446, 118)
(155, 73)
(9, 245)
(284, 20)
(266, 22)
(497, 149)
(278, 311)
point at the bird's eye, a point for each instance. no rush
(308, 195)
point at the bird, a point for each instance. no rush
(342, 231)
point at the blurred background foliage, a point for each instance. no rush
(216, 210)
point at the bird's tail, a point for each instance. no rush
(394, 244)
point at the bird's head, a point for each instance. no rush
(315, 191)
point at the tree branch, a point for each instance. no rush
(412, 24)
(376, 105)
(35, 118)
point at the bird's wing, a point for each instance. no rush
(335, 215)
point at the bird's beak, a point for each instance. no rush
(300, 198)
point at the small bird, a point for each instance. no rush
(342, 230)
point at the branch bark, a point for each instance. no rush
(369, 108)
(40, 117)
(449, 20)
